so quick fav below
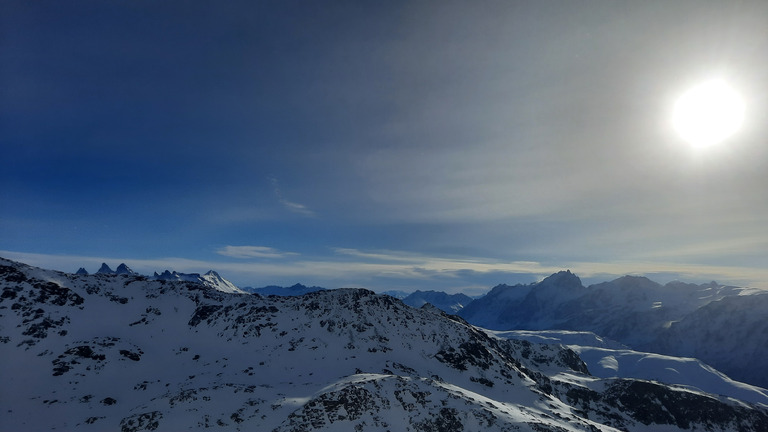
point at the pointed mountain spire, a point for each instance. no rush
(105, 269)
(124, 269)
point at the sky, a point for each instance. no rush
(387, 145)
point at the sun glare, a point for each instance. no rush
(708, 113)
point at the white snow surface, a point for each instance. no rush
(563, 337)
(214, 280)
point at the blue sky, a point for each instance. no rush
(388, 145)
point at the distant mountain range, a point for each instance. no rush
(723, 326)
(131, 353)
(294, 290)
(211, 279)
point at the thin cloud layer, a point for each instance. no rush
(418, 145)
(253, 252)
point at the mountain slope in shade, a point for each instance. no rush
(105, 269)
(674, 319)
(629, 309)
(110, 352)
(731, 334)
(125, 270)
(450, 303)
(608, 359)
(490, 311)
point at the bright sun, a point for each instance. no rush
(708, 113)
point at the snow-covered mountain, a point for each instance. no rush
(112, 352)
(214, 280)
(211, 279)
(124, 270)
(105, 269)
(673, 319)
(451, 303)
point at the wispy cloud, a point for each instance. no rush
(253, 252)
(291, 206)
(755, 277)
(378, 255)
(422, 263)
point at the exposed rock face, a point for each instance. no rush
(180, 355)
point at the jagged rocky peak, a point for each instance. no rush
(164, 275)
(124, 269)
(563, 279)
(174, 275)
(555, 288)
(105, 269)
(82, 272)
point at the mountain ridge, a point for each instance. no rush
(211, 278)
(181, 355)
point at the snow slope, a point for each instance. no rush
(215, 281)
(117, 352)
(608, 359)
